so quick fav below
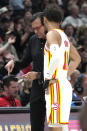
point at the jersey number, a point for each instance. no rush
(65, 66)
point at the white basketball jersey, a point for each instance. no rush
(62, 68)
(58, 101)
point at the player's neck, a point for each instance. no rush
(52, 26)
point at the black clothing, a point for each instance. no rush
(46, 84)
(33, 53)
(37, 115)
(24, 98)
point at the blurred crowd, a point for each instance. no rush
(16, 30)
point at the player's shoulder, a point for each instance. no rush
(52, 33)
(53, 36)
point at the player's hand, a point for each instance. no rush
(31, 75)
(9, 66)
(53, 81)
(47, 83)
(47, 91)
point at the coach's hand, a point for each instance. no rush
(32, 75)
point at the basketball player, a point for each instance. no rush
(57, 52)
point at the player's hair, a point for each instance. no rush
(53, 13)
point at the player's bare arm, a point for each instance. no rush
(75, 60)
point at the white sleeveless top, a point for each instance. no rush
(62, 68)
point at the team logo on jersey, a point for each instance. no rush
(66, 43)
(55, 106)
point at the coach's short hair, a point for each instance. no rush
(53, 13)
(37, 15)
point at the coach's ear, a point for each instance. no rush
(45, 20)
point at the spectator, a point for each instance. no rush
(3, 10)
(83, 49)
(5, 47)
(7, 52)
(25, 93)
(4, 25)
(82, 33)
(6, 12)
(45, 2)
(78, 87)
(74, 77)
(19, 31)
(83, 14)
(73, 18)
(27, 17)
(10, 91)
(16, 4)
(23, 30)
(28, 5)
(68, 5)
(11, 38)
(70, 32)
(80, 3)
(75, 84)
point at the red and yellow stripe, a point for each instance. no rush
(55, 74)
(51, 116)
(65, 66)
(58, 101)
(49, 55)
